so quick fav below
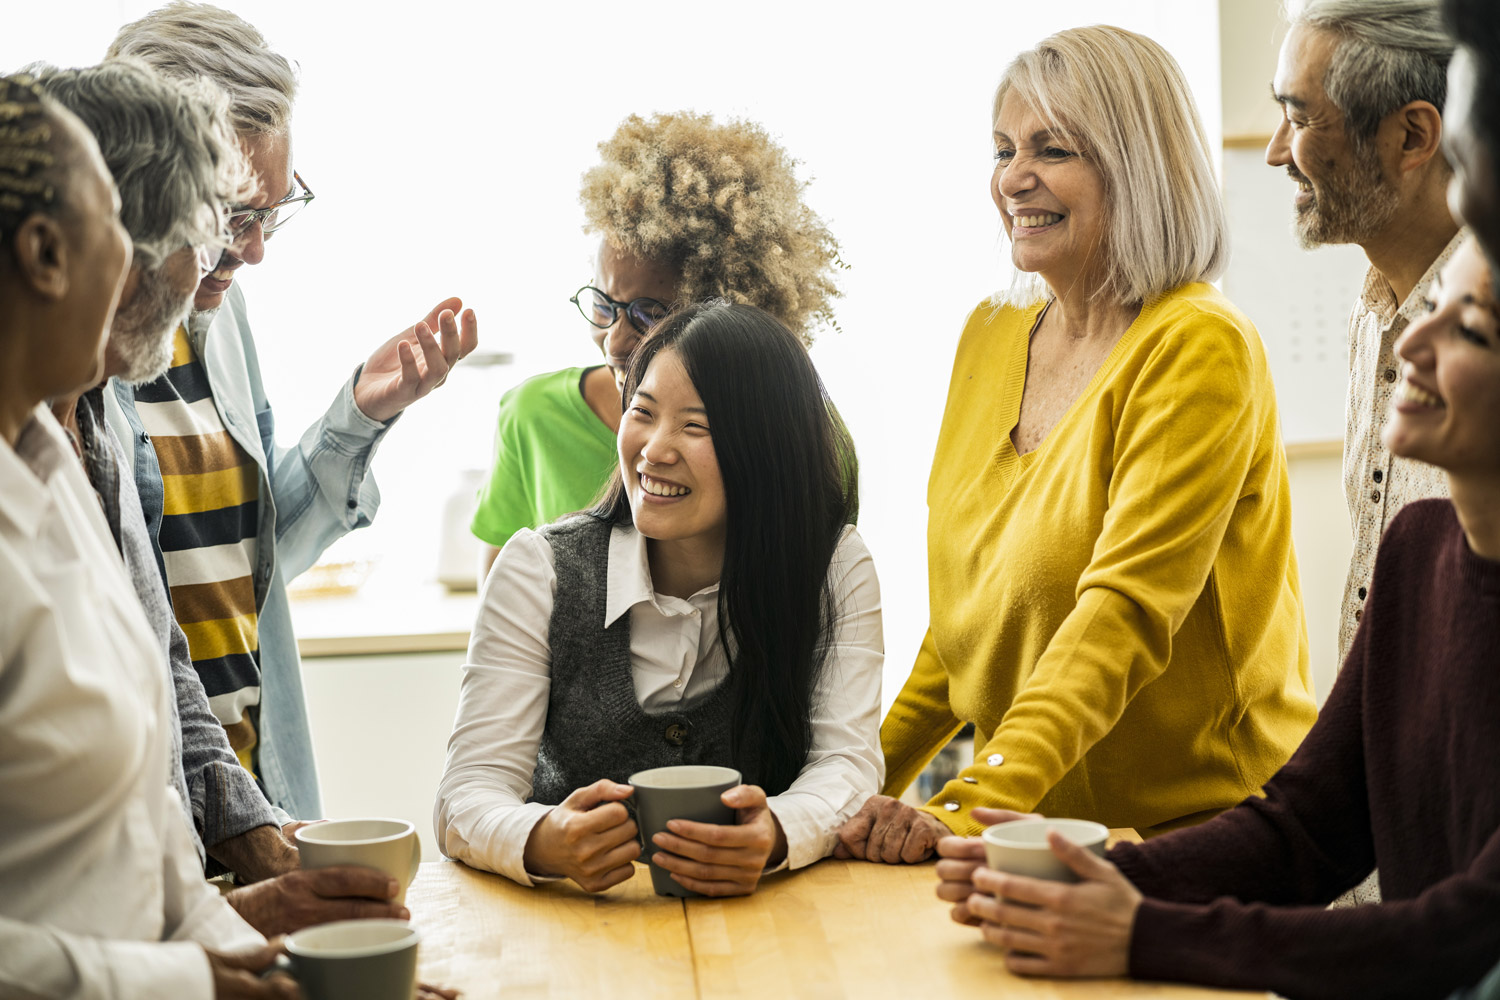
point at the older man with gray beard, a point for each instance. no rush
(1361, 84)
(179, 168)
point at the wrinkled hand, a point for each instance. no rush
(237, 977)
(1057, 929)
(589, 838)
(961, 855)
(890, 831)
(413, 363)
(302, 898)
(724, 860)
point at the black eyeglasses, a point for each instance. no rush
(275, 216)
(602, 311)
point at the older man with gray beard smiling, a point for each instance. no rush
(179, 168)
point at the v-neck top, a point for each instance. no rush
(1118, 610)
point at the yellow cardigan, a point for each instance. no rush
(1117, 612)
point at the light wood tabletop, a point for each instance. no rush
(837, 929)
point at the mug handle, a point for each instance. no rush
(416, 857)
(635, 817)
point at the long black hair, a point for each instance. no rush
(789, 470)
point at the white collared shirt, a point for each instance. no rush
(101, 891)
(481, 815)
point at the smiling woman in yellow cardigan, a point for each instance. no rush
(1114, 595)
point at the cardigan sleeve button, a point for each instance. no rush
(951, 806)
(970, 779)
(995, 759)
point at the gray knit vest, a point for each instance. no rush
(595, 726)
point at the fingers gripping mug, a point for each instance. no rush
(687, 791)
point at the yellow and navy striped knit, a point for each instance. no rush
(211, 491)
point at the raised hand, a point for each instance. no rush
(414, 362)
(589, 838)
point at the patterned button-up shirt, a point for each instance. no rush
(1376, 483)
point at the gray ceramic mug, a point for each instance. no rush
(364, 959)
(685, 791)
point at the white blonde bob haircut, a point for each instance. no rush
(1120, 100)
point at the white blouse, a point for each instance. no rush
(481, 815)
(101, 891)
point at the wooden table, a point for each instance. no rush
(837, 929)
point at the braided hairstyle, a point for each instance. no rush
(28, 154)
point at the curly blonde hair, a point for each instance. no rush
(722, 204)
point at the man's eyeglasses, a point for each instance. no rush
(275, 216)
(602, 311)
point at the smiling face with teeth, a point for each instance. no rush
(270, 159)
(1343, 194)
(1051, 198)
(668, 462)
(1446, 411)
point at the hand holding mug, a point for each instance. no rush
(590, 838)
(301, 899)
(1053, 928)
(961, 855)
(718, 860)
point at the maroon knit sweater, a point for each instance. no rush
(1401, 771)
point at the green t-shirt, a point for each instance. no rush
(552, 457)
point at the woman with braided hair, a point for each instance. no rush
(97, 856)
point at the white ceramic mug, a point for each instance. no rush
(389, 845)
(1020, 846)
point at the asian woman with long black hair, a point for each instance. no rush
(715, 607)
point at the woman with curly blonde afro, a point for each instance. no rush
(687, 210)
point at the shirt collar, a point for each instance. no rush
(1380, 300)
(628, 580)
(28, 468)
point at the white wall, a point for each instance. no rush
(446, 149)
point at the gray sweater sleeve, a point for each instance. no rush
(226, 801)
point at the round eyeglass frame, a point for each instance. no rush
(634, 310)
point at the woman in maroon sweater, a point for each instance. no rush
(1401, 771)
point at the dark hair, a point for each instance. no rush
(1475, 25)
(31, 155)
(785, 461)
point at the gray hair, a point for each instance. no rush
(1123, 100)
(193, 40)
(168, 143)
(1390, 53)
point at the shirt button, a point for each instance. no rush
(1390, 375)
(145, 436)
(676, 734)
(1358, 613)
(353, 504)
(951, 806)
(1378, 475)
(678, 684)
(1361, 593)
(1375, 496)
(995, 759)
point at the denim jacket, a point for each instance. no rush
(310, 495)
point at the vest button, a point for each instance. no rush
(677, 734)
